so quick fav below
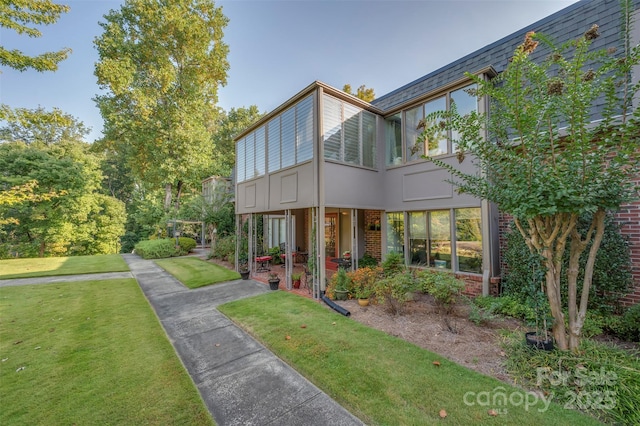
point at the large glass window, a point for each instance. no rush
(349, 133)
(465, 103)
(411, 119)
(437, 143)
(240, 160)
(469, 240)
(393, 137)
(260, 152)
(288, 131)
(274, 144)
(395, 232)
(304, 130)
(418, 238)
(440, 239)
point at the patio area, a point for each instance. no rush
(279, 269)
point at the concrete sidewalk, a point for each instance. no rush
(241, 382)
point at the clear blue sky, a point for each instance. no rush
(279, 47)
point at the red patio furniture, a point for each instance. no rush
(264, 263)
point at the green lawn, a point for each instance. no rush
(50, 266)
(90, 352)
(194, 272)
(382, 379)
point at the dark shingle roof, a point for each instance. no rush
(564, 25)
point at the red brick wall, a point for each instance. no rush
(372, 238)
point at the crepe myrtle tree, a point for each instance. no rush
(542, 158)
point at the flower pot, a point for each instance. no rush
(363, 302)
(244, 275)
(274, 284)
(539, 342)
(296, 284)
(341, 294)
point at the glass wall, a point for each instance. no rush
(285, 141)
(438, 142)
(349, 133)
(395, 232)
(393, 139)
(430, 238)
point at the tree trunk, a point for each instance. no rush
(178, 194)
(577, 314)
(167, 196)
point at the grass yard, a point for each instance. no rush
(194, 272)
(90, 352)
(50, 266)
(382, 379)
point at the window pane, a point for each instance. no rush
(412, 118)
(395, 232)
(274, 144)
(440, 239)
(369, 140)
(469, 240)
(288, 147)
(351, 134)
(332, 124)
(240, 159)
(250, 152)
(418, 238)
(260, 152)
(304, 129)
(393, 136)
(437, 144)
(465, 103)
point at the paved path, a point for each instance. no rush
(241, 382)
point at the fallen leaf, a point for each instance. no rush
(217, 344)
(38, 347)
(436, 363)
(5, 359)
(18, 342)
(287, 337)
(51, 330)
(20, 369)
(333, 323)
(492, 412)
(443, 414)
(303, 326)
(503, 353)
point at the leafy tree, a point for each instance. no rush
(547, 163)
(363, 93)
(17, 15)
(41, 126)
(161, 64)
(227, 127)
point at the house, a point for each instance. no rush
(326, 173)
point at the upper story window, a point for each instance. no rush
(406, 123)
(349, 133)
(286, 140)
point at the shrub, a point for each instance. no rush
(506, 306)
(396, 290)
(611, 276)
(443, 286)
(225, 248)
(339, 281)
(274, 252)
(186, 244)
(367, 261)
(627, 326)
(364, 280)
(156, 249)
(393, 264)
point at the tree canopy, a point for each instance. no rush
(363, 93)
(161, 64)
(23, 16)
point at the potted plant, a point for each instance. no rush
(244, 272)
(341, 290)
(363, 294)
(274, 281)
(295, 279)
(346, 254)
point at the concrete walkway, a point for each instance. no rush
(241, 382)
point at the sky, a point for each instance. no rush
(278, 48)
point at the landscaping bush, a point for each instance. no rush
(367, 261)
(186, 244)
(611, 276)
(156, 249)
(443, 286)
(393, 264)
(225, 248)
(364, 281)
(506, 306)
(626, 326)
(396, 290)
(339, 281)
